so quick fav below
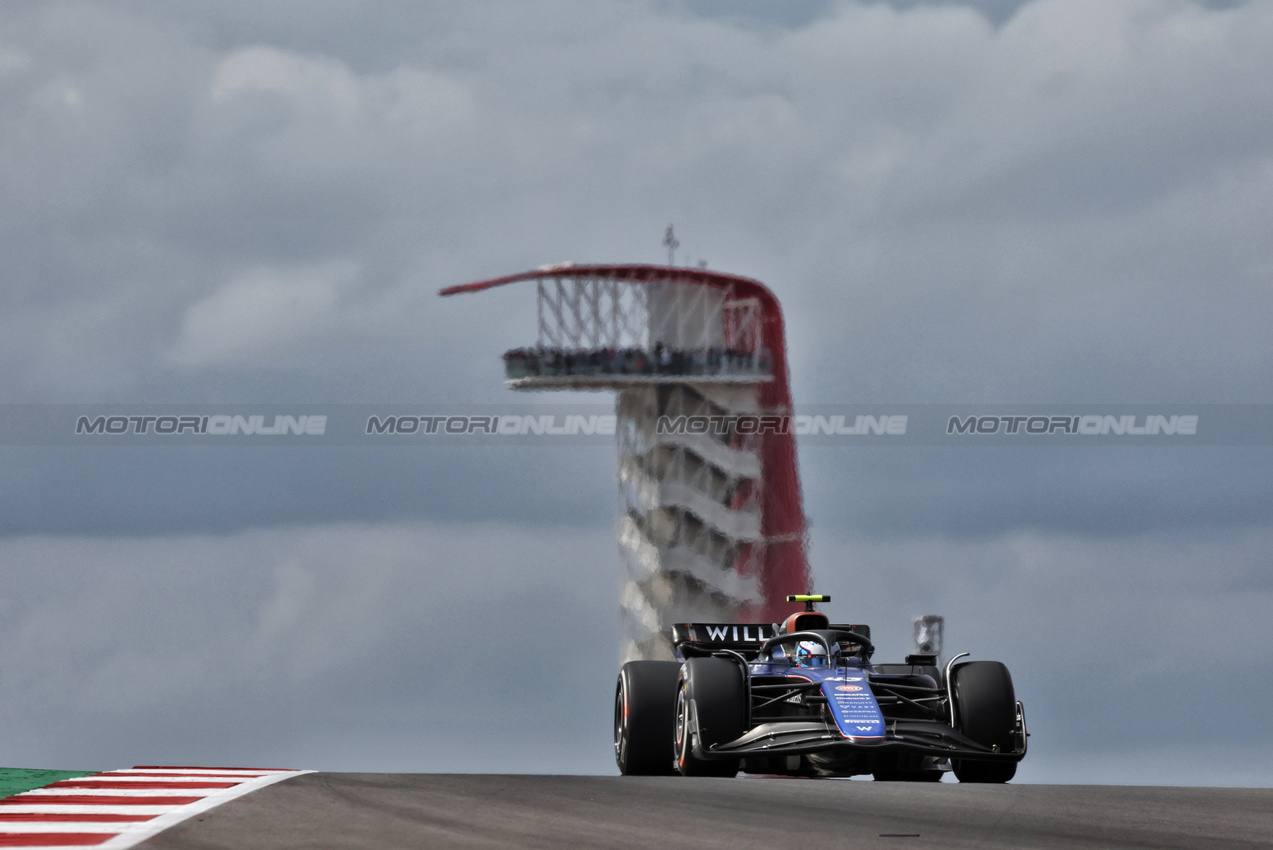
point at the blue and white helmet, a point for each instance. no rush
(811, 653)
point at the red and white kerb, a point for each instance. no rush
(122, 808)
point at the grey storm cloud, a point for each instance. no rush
(337, 647)
(1119, 652)
(153, 491)
(1057, 201)
(192, 194)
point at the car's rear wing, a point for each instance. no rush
(745, 638)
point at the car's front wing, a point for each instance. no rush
(929, 737)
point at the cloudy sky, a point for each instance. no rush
(1050, 202)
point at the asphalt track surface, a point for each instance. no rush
(347, 810)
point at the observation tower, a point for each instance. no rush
(711, 525)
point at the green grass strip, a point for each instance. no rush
(15, 780)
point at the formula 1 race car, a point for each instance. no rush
(804, 699)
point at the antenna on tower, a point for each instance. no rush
(671, 243)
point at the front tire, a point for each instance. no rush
(644, 701)
(711, 708)
(986, 711)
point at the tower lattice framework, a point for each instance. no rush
(711, 525)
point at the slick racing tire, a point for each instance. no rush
(711, 708)
(986, 711)
(644, 702)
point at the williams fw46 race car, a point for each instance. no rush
(805, 699)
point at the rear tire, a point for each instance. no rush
(986, 711)
(644, 702)
(713, 692)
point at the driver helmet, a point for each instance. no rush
(810, 653)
